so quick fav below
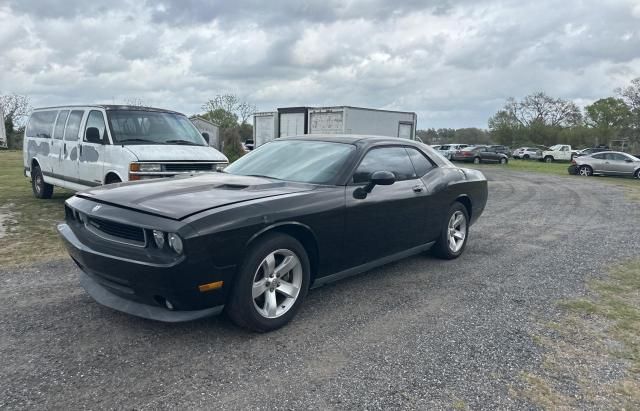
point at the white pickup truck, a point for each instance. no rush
(559, 152)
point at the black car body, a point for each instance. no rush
(479, 154)
(345, 224)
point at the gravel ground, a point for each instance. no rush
(419, 333)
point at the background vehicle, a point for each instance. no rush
(588, 151)
(248, 145)
(527, 153)
(435, 146)
(500, 149)
(559, 152)
(255, 238)
(479, 154)
(295, 121)
(78, 147)
(447, 150)
(607, 163)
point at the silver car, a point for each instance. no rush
(612, 163)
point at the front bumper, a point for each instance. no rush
(142, 288)
(572, 169)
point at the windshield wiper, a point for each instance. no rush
(184, 142)
(137, 139)
(262, 176)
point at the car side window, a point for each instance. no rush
(73, 125)
(420, 162)
(96, 119)
(616, 157)
(58, 132)
(394, 159)
(599, 156)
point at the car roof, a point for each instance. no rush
(355, 139)
(108, 107)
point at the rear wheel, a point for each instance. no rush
(40, 188)
(476, 160)
(455, 230)
(585, 171)
(503, 161)
(526, 156)
(271, 284)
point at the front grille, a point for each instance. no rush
(118, 230)
(182, 167)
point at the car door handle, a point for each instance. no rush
(418, 189)
(65, 148)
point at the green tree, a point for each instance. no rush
(608, 116)
(223, 118)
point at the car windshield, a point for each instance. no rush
(152, 127)
(315, 162)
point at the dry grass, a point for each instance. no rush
(28, 234)
(592, 354)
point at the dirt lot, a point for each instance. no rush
(420, 333)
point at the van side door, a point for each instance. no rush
(70, 149)
(91, 149)
(56, 154)
(38, 135)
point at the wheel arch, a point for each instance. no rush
(34, 162)
(110, 174)
(301, 232)
(466, 202)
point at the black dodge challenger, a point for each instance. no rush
(292, 214)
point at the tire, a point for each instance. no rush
(443, 248)
(255, 310)
(526, 156)
(503, 161)
(585, 171)
(637, 174)
(40, 189)
(476, 160)
(548, 159)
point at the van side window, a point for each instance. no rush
(73, 125)
(41, 124)
(96, 119)
(58, 132)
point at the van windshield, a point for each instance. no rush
(152, 127)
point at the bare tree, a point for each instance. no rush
(135, 102)
(231, 104)
(542, 109)
(16, 108)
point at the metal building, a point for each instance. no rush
(206, 126)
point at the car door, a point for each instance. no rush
(91, 153)
(617, 164)
(70, 149)
(390, 218)
(597, 162)
(56, 154)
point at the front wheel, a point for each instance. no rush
(585, 171)
(40, 189)
(548, 159)
(271, 284)
(454, 233)
(476, 160)
(526, 156)
(637, 174)
(503, 161)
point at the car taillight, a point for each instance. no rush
(573, 162)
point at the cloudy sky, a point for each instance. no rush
(452, 62)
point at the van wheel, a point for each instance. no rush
(112, 179)
(40, 188)
(271, 284)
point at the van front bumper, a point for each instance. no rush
(163, 292)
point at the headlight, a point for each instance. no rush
(221, 167)
(158, 237)
(150, 167)
(175, 242)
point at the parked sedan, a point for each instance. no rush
(527, 153)
(606, 163)
(447, 150)
(479, 154)
(292, 214)
(500, 149)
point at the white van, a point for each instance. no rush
(78, 147)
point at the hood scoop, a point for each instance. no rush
(232, 187)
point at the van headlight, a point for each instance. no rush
(150, 167)
(175, 242)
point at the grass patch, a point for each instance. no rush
(631, 186)
(28, 233)
(592, 354)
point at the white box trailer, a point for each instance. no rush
(3, 132)
(295, 121)
(358, 120)
(265, 127)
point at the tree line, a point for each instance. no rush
(540, 119)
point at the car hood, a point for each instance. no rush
(175, 152)
(180, 197)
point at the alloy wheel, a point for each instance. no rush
(457, 231)
(585, 171)
(277, 283)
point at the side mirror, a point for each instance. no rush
(93, 135)
(378, 178)
(206, 137)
